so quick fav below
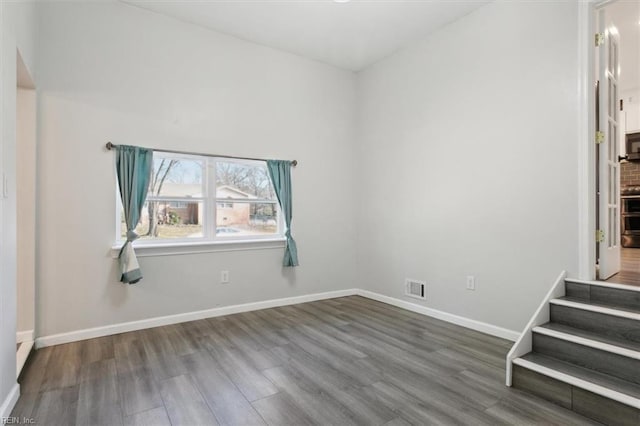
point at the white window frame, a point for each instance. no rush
(210, 240)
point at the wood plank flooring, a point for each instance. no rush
(345, 361)
(629, 267)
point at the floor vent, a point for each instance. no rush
(415, 288)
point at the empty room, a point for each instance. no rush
(322, 212)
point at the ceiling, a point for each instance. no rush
(625, 15)
(349, 35)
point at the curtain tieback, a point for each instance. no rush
(131, 236)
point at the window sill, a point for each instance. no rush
(196, 247)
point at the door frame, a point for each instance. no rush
(586, 138)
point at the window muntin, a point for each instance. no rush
(195, 198)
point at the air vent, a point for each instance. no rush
(415, 288)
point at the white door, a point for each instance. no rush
(609, 150)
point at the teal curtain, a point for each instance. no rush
(280, 174)
(133, 167)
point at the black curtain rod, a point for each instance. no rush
(111, 146)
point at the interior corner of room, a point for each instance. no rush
(327, 212)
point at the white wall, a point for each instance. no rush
(26, 205)
(468, 162)
(465, 161)
(109, 71)
(17, 27)
(631, 104)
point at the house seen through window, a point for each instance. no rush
(207, 198)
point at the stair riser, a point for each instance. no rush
(590, 405)
(605, 295)
(605, 362)
(608, 325)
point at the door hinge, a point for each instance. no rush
(599, 136)
(599, 236)
(599, 39)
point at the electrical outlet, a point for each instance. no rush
(224, 277)
(471, 282)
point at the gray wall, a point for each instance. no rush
(17, 31)
(468, 162)
(26, 206)
(109, 71)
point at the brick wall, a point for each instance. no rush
(630, 173)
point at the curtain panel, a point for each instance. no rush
(133, 168)
(280, 174)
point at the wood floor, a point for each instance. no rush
(629, 267)
(340, 362)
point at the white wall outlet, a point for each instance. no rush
(471, 282)
(224, 277)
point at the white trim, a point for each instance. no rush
(605, 284)
(596, 308)
(10, 401)
(73, 336)
(524, 344)
(24, 336)
(194, 247)
(22, 354)
(483, 327)
(583, 384)
(90, 333)
(595, 344)
(586, 148)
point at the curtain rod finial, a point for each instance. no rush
(294, 163)
(110, 146)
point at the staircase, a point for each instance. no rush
(587, 357)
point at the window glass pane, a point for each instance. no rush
(180, 204)
(177, 177)
(173, 219)
(244, 181)
(244, 219)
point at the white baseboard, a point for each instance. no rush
(9, 402)
(90, 333)
(24, 336)
(444, 316)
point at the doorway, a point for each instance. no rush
(617, 118)
(26, 214)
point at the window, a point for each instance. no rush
(193, 198)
